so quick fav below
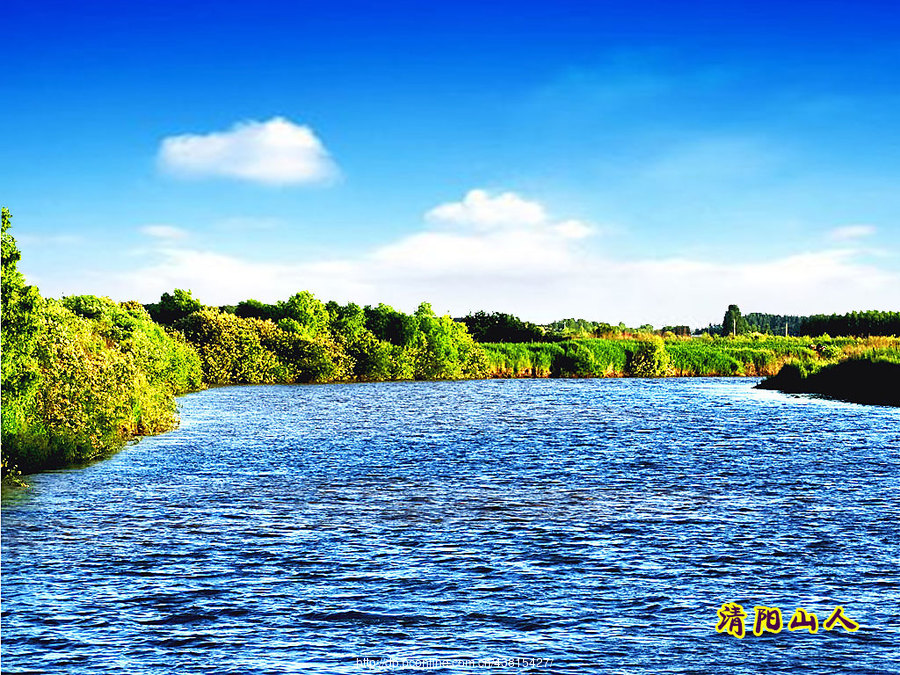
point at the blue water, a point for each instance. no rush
(584, 526)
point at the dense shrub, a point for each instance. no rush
(649, 358)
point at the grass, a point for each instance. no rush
(752, 356)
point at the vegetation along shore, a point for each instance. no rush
(83, 375)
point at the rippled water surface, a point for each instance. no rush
(596, 524)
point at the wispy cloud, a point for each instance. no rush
(275, 152)
(851, 232)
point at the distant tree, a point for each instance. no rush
(254, 309)
(347, 321)
(855, 323)
(500, 327)
(734, 323)
(389, 325)
(774, 324)
(173, 307)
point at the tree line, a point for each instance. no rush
(852, 324)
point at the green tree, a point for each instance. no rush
(254, 309)
(173, 307)
(346, 321)
(388, 324)
(19, 331)
(309, 313)
(733, 322)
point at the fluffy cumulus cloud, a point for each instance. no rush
(276, 152)
(483, 211)
(506, 211)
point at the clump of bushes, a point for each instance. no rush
(83, 375)
(870, 380)
(649, 358)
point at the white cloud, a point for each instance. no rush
(502, 234)
(849, 232)
(276, 152)
(482, 211)
(164, 231)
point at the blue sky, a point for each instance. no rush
(645, 161)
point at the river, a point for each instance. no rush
(549, 526)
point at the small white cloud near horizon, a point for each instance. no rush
(168, 232)
(849, 232)
(275, 152)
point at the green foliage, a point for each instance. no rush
(299, 358)
(348, 320)
(576, 360)
(733, 323)
(649, 358)
(375, 360)
(82, 375)
(103, 377)
(774, 324)
(314, 342)
(19, 330)
(390, 325)
(868, 379)
(229, 347)
(500, 327)
(254, 309)
(309, 313)
(703, 356)
(854, 323)
(163, 356)
(173, 307)
(444, 348)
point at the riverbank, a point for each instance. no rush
(873, 382)
(650, 356)
(96, 392)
